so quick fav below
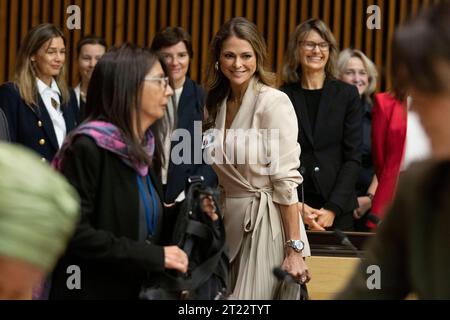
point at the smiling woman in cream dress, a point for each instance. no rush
(255, 155)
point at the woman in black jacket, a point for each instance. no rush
(38, 105)
(113, 160)
(329, 115)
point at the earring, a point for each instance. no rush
(216, 66)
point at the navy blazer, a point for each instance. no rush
(33, 127)
(331, 155)
(190, 109)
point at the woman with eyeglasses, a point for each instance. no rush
(113, 160)
(329, 115)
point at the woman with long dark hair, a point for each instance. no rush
(113, 159)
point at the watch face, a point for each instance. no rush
(298, 245)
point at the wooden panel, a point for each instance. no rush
(271, 32)
(205, 39)
(329, 275)
(138, 21)
(98, 22)
(369, 37)
(390, 28)
(151, 21)
(239, 10)
(260, 19)
(315, 9)
(87, 17)
(174, 13)
(216, 17)
(281, 38)
(228, 10)
(186, 14)
(13, 43)
(326, 12)
(3, 33)
(379, 41)
(347, 24)
(304, 11)
(360, 12)
(249, 9)
(195, 64)
(141, 23)
(119, 24)
(25, 23)
(292, 16)
(337, 20)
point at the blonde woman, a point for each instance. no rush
(38, 105)
(355, 68)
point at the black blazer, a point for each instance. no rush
(331, 156)
(106, 246)
(32, 127)
(190, 109)
(4, 131)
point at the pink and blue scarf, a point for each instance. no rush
(107, 136)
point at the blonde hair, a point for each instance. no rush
(216, 84)
(342, 62)
(292, 68)
(25, 73)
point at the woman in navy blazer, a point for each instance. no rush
(39, 108)
(330, 135)
(175, 46)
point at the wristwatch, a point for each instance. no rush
(297, 245)
(370, 196)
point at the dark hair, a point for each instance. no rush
(421, 52)
(171, 36)
(292, 69)
(114, 95)
(90, 39)
(217, 85)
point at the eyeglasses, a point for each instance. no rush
(311, 45)
(163, 81)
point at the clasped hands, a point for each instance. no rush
(316, 219)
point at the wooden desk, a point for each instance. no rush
(332, 264)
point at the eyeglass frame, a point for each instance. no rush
(316, 44)
(165, 84)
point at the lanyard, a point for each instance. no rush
(151, 218)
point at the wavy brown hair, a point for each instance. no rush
(216, 84)
(25, 73)
(292, 69)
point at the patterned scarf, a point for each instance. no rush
(107, 136)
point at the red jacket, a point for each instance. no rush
(389, 118)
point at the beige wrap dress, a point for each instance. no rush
(251, 191)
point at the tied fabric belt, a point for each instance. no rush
(257, 208)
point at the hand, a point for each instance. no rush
(364, 204)
(309, 217)
(175, 258)
(208, 206)
(325, 217)
(296, 266)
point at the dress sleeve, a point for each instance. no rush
(280, 120)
